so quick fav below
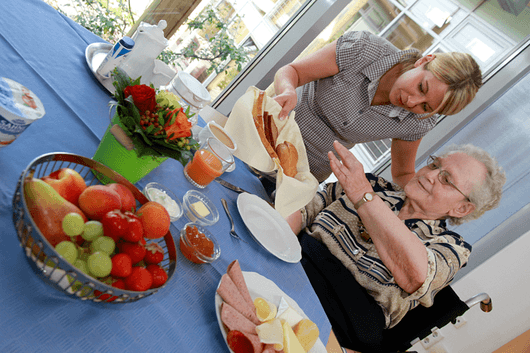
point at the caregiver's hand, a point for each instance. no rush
(287, 100)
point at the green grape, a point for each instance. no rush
(73, 224)
(92, 230)
(103, 244)
(99, 264)
(81, 265)
(68, 250)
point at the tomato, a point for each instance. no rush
(159, 275)
(135, 229)
(114, 224)
(139, 280)
(121, 265)
(154, 254)
(238, 342)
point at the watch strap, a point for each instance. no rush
(367, 197)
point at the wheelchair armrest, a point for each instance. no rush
(484, 300)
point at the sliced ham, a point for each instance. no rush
(269, 348)
(234, 320)
(236, 275)
(230, 294)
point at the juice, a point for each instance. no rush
(203, 168)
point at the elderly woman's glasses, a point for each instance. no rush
(443, 176)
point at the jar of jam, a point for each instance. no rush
(198, 245)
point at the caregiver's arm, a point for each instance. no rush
(400, 250)
(295, 221)
(320, 64)
(403, 160)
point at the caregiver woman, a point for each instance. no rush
(361, 88)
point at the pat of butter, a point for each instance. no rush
(200, 209)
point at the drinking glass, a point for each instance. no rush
(211, 160)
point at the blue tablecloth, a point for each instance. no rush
(45, 51)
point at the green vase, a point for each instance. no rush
(127, 163)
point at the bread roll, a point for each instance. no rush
(271, 131)
(288, 158)
(307, 333)
(257, 115)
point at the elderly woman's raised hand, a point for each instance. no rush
(287, 100)
(349, 172)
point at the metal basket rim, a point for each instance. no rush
(116, 177)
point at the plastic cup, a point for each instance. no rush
(211, 160)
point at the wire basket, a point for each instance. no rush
(51, 266)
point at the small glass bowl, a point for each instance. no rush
(161, 194)
(192, 200)
(193, 253)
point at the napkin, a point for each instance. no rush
(291, 193)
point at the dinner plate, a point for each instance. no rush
(269, 228)
(260, 286)
(94, 55)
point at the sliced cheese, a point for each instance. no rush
(290, 316)
(290, 341)
(271, 332)
(200, 209)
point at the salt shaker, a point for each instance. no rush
(115, 56)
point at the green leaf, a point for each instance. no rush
(150, 129)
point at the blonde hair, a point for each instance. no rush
(458, 70)
(486, 195)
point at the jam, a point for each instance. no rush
(197, 247)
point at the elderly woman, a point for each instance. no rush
(373, 251)
(361, 88)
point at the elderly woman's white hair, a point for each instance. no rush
(484, 196)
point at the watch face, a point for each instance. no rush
(368, 197)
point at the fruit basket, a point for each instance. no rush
(45, 260)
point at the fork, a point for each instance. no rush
(232, 230)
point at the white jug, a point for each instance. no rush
(149, 43)
(162, 74)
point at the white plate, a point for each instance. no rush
(94, 55)
(260, 286)
(269, 228)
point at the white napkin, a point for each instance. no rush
(291, 193)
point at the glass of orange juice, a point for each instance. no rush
(209, 162)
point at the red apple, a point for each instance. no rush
(68, 183)
(128, 202)
(97, 200)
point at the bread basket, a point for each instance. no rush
(43, 258)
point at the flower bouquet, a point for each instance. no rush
(149, 126)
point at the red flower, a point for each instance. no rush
(144, 97)
(180, 128)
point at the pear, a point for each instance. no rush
(47, 209)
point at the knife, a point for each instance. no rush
(237, 189)
(232, 187)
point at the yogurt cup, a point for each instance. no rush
(19, 107)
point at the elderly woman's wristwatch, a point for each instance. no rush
(367, 197)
